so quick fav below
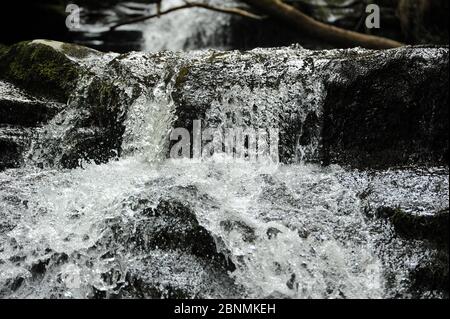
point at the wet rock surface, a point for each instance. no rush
(432, 273)
(406, 208)
(13, 143)
(23, 110)
(374, 118)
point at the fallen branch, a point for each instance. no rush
(235, 11)
(303, 23)
(189, 5)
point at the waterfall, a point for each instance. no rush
(148, 125)
(143, 225)
(189, 29)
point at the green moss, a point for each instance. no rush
(216, 56)
(40, 69)
(3, 49)
(181, 76)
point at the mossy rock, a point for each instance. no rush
(181, 77)
(40, 69)
(3, 49)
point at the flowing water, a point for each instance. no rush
(198, 28)
(190, 29)
(276, 230)
(291, 231)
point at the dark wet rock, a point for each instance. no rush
(169, 226)
(20, 114)
(20, 109)
(272, 232)
(429, 276)
(178, 276)
(51, 71)
(292, 282)
(95, 135)
(27, 113)
(303, 233)
(174, 256)
(434, 227)
(247, 232)
(38, 269)
(388, 111)
(11, 284)
(90, 145)
(17, 283)
(13, 143)
(172, 226)
(10, 154)
(3, 49)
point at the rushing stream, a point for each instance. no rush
(92, 207)
(197, 28)
(290, 230)
(145, 226)
(181, 30)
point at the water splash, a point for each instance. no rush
(291, 231)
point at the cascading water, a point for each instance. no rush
(187, 29)
(142, 225)
(199, 28)
(190, 29)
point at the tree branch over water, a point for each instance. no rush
(303, 23)
(289, 15)
(189, 5)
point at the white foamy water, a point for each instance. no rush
(259, 216)
(291, 231)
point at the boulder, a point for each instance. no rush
(431, 273)
(40, 68)
(383, 112)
